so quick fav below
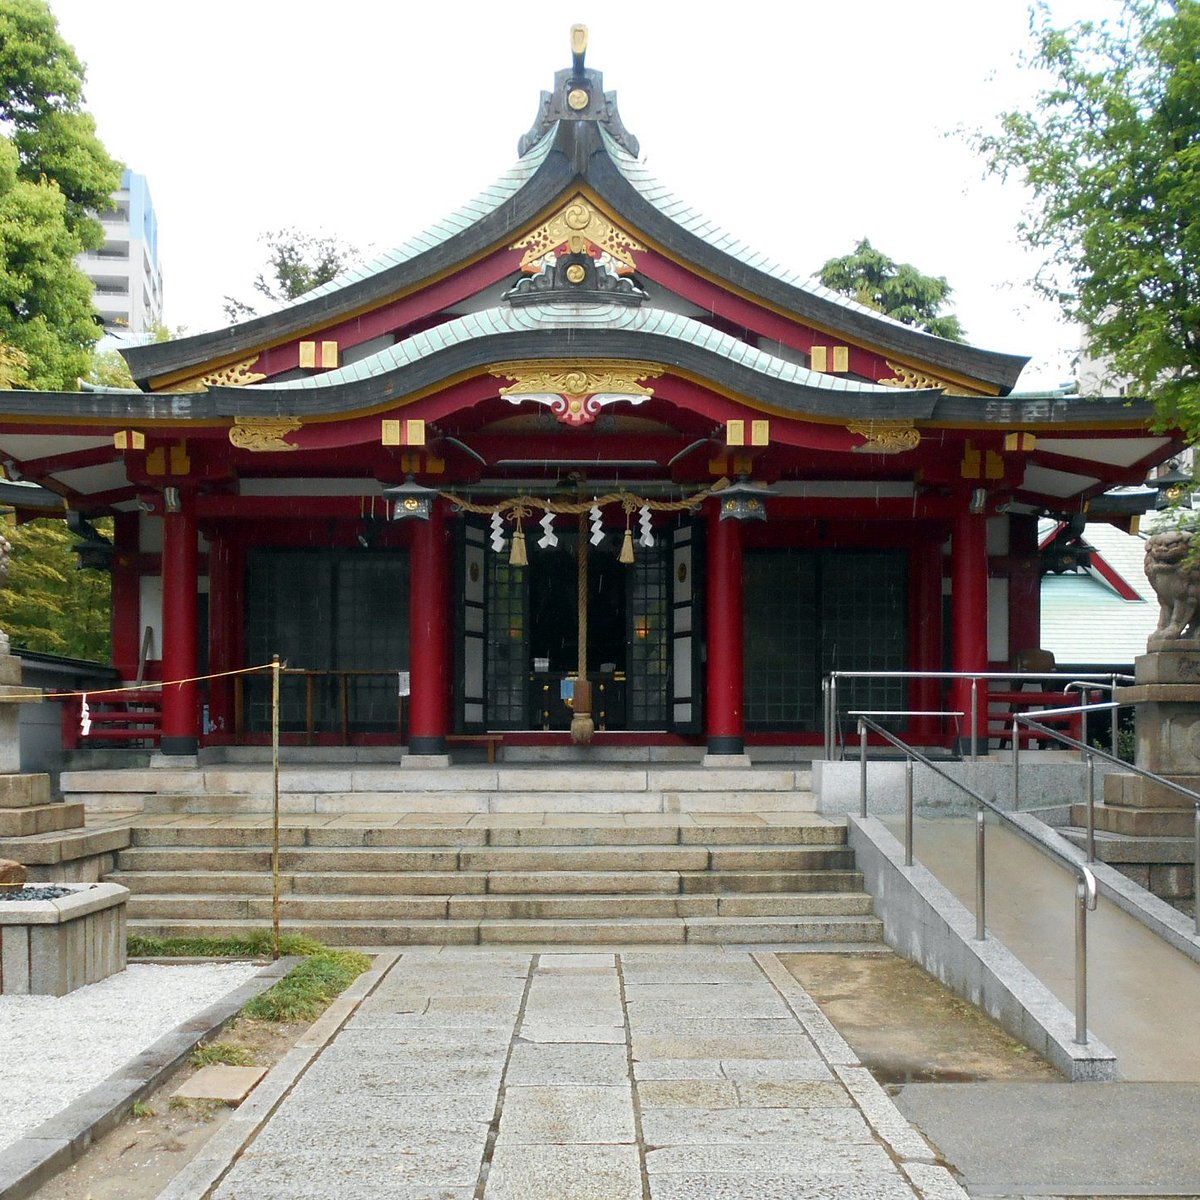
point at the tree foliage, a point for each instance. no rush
(1110, 153)
(47, 603)
(42, 115)
(53, 170)
(297, 262)
(897, 289)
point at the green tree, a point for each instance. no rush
(897, 289)
(47, 603)
(1110, 153)
(297, 262)
(53, 170)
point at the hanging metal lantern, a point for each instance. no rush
(410, 500)
(744, 501)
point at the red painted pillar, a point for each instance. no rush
(724, 619)
(179, 578)
(126, 596)
(1024, 586)
(925, 633)
(224, 617)
(429, 635)
(969, 614)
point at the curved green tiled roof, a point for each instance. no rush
(616, 317)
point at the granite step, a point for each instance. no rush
(537, 907)
(37, 819)
(826, 930)
(492, 860)
(416, 835)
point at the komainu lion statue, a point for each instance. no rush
(1175, 576)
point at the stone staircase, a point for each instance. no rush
(437, 879)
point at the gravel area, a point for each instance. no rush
(54, 1049)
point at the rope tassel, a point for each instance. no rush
(626, 555)
(518, 557)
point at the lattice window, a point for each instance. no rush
(809, 612)
(507, 646)
(648, 666)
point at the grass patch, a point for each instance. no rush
(300, 996)
(209, 1054)
(256, 943)
(305, 992)
(141, 1110)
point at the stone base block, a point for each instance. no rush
(52, 947)
(1135, 792)
(44, 818)
(1137, 822)
(1168, 666)
(24, 791)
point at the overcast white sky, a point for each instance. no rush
(801, 127)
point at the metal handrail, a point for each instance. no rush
(829, 692)
(1084, 686)
(1085, 890)
(1090, 753)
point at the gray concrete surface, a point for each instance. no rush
(926, 923)
(1039, 1139)
(1143, 994)
(661, 1074)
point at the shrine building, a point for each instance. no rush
(575, 403)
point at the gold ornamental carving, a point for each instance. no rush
(578, 225)
(234, 375)
(908, 377)
(262, 435)
(886, 437)
(576, 378)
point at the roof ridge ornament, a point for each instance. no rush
(578, 95)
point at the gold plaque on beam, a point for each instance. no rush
(735, 433)
(129, 439)
(308, 354)
(329, 354)
(402, 433)
(841, 359)
(818, 358)
(760, 433)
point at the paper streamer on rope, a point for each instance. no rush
(549, 537)
(645, 537)
(85, 717)
(597, 519)
(498, 541)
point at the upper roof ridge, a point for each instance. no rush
(579, 95)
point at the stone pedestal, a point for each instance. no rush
(26, 805)
(1167, 694)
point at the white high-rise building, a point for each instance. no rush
(125, 270)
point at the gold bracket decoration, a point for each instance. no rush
(576, 391)
(578, 226)
(234, 375)
(262, 435)
(908, 377)
(886, 437)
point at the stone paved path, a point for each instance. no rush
(498, 1075)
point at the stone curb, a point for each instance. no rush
(56, 1143)
(915, 1157)
(217, 1155)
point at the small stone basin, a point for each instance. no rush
(51, 946)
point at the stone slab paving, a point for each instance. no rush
(647, 1075)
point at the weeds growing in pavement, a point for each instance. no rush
(208, 1054)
